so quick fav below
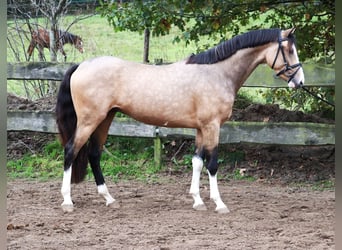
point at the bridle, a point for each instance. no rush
(287, 67)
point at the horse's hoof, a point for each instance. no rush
(200, 207)
(114, 205)
(222, 210)
(67, 208)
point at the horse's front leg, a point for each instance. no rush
(214, 191)
(197, 165)
(41, 53)
(63, 52)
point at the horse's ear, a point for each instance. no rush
(289, 31)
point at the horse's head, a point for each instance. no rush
(79, 44)
(283, 58)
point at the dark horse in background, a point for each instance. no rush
(40, 39)
(197, 92)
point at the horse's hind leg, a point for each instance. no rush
(97, 140)
(71, 151)
(30, 49)
(212, 172)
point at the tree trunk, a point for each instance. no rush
(53, 54)
(146, 45)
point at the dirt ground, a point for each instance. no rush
(269, 213)
(160, 216)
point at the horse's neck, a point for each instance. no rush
(66, 37)
(239, 67)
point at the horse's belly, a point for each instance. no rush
(161, 116)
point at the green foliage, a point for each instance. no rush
(301, 100)
(314, 20)
(136, 16)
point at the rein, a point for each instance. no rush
(291, 67)
(316, 96)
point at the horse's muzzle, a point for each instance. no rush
(295, 85)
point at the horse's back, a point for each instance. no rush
(103, 65)
(103, 60)
(113, 70)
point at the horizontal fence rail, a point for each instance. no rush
(263, 76)
(285, 133)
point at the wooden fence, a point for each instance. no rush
(286, 133)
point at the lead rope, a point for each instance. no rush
(316, 96)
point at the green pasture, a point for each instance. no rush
(100, 39)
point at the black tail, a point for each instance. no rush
(66, 122)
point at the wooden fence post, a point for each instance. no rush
(157, 148)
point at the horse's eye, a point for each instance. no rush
(291, 50)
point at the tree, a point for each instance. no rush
(24, 17)
(314, 20)
(53, 11)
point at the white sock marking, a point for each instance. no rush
(214, 193)
(102, 189)
(197, 165)
(66, 187)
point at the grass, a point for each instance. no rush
(321, 185)
(324, 185)
(129, 158)
(124, 158)
(43, 165)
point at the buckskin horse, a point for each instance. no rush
(197, 92)
(40, 39)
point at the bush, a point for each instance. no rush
(303, 101)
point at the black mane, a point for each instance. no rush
(230, 47)
(67, 37)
